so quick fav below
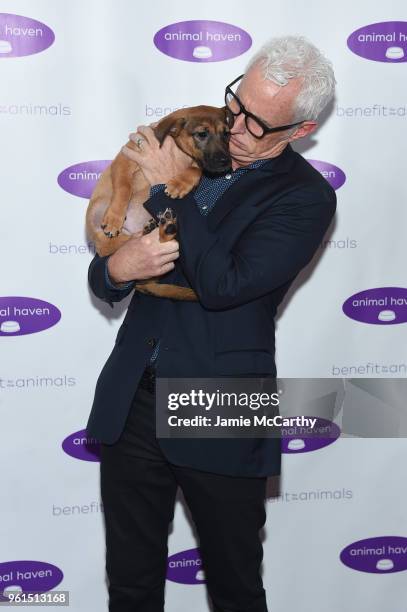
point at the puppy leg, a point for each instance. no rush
(183, 183)
(122, 180)
(172, 292)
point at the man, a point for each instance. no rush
(243, 238)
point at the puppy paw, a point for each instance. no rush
(178, 187)
(112, 224)
(167, 224)
(149, 226)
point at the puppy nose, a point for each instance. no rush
(221, 158)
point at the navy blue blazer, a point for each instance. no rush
(240, 259)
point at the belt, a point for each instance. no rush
(147, 380)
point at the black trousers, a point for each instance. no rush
(138, 487)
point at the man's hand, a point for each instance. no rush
(159, 164)
(142, 257)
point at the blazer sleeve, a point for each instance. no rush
(270, 252)
(100, 284)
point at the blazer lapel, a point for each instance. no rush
(253, 187)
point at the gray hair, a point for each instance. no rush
(292, 57)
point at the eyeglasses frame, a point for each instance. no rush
(266, 129)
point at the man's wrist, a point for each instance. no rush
(113, 279)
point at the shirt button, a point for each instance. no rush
(151, 342)
(228, 176)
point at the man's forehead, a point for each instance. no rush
(255, 84)
(264, 97)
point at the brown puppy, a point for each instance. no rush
(116, 211)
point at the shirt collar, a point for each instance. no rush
(256, 164)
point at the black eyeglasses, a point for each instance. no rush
(254, 125)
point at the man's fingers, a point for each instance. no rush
(165, 247)
(133, 155)
(136, 136)
(147, 133)
(172, 246)
(166, 258)
(169, 145)
(167, 268)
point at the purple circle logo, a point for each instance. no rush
(186, 567)
(80, 446)
(25, 315)
(80, 179)
(298, 439)
(20, 36)
(381, 42)
(28, 577)
(334, 175)
(384, 555)
(382, 306)
(202, 41)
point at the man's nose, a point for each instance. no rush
(239, 126)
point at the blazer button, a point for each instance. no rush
(151, 342)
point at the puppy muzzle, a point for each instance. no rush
(217, 163)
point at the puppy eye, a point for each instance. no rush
(201, 134)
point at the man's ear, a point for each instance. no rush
(169, 125)
(305, 129)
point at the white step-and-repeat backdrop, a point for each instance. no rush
(76, 78)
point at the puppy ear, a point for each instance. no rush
(169, 125)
